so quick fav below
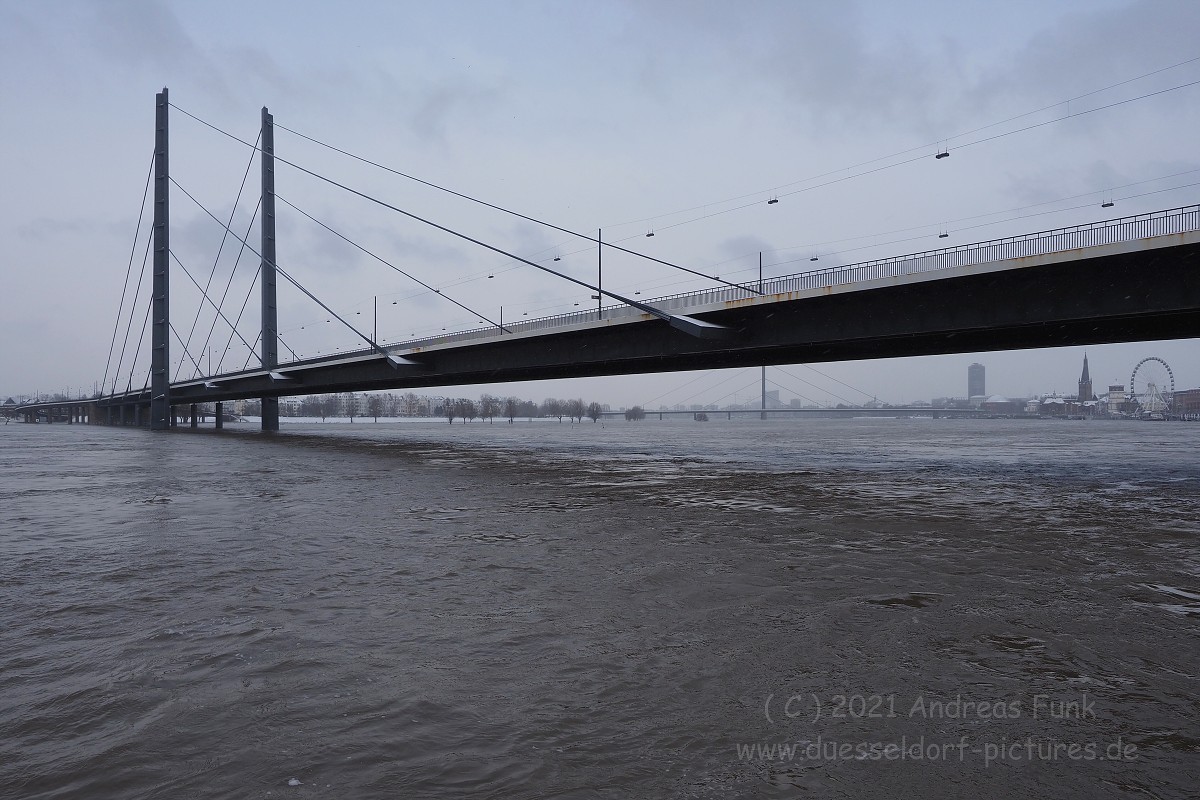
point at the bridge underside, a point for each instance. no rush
(1136, 296)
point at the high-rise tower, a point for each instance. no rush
(975, 382)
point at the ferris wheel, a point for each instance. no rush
(1152, 385)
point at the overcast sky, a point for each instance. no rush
(681, 118)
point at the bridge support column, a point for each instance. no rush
(160, 380)
(220, 416)
(195, 421)
(762, 414)
(270, 320)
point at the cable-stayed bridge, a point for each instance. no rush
(1118, 280)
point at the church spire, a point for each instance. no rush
(1085, 383)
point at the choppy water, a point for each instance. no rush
(595, 611)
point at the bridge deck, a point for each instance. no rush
(1084, 284)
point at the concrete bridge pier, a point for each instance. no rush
(195, 421)
(220, 416)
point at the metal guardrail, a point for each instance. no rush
(1123, 229)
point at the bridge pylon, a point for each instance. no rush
(270, 314)
(160, 379)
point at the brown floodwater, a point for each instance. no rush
(812, 608)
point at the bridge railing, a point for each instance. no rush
(1123, 229)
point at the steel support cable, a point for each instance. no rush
(202, 292)
(519, 215)
(649, 310)
(727, 200)
(388, 264)
(132, 311)
(736, 391)
(238, 321)
(280, 270)
(250, 357)
(823, 389)
(128, 269)
(179, 339)
(726, 379)
(809, 188)
(830, 377)
(699, 377)
(792, 389)
(220, 249)
(257, 339)
(136, 352)
(289, 347)
(229, 284)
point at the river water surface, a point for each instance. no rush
(814, 608)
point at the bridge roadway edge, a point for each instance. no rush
(1131, 296)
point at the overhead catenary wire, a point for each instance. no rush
(907, 239)
(969, 218)
(922, 148)
(922, 157)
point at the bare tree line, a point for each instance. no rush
(490, 406)
(487, 408)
